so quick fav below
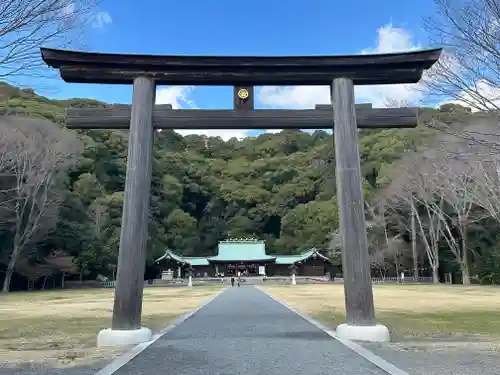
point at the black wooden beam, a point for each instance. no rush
(118, 117)
(89, 67)
(210, 78)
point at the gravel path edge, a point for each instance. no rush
(367, 354)
(126, 357)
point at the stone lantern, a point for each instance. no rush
(190, 271)
(293, 268)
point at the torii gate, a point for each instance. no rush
(145, 72)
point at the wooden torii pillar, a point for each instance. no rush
(144, 72)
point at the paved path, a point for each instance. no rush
(244, 331)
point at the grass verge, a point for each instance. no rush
(59, 328)
(411, 312)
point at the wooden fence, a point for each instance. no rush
(286, 280)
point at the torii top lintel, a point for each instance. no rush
(91, 67)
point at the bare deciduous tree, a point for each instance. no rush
(440, 188)
(414, 189)
(36, 158)
(486, 172)
(100, 220)
(469, 31)
(379, 236)
(414, 252)
(379, 260)
(457, 182)
(27, 25)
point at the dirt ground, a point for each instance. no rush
(59, 328)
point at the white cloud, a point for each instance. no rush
(225, 134)
(392, 39)
(389, 39)
(180, 97)
(449, 73)
(101, 19)
(296, 97)
(274, 131)
(483, 96)
(489, 95)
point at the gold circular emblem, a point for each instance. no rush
(242, 93)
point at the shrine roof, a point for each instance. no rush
(193, 261)
(196, 261)
(303, 256)
(241, 250)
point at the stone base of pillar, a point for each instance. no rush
(117, 337)
(376, 333)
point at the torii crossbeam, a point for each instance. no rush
(243, 72)
(164, 117)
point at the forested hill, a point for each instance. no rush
(276, 187)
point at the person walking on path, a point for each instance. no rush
(232, 280)
(238, 281)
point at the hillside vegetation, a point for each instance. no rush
(276, 187)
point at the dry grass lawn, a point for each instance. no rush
(59, 328)
(412, 312)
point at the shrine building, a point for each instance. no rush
(249, 258)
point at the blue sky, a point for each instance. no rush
(256, 27)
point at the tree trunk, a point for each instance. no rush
(414, 253)
(435, 275)
(6, 281)
(10, 269)
(464, 264)
(464, 268)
